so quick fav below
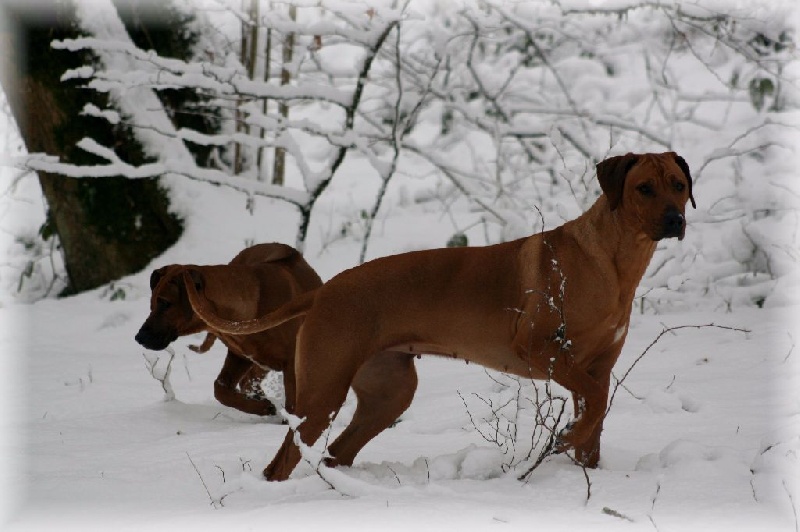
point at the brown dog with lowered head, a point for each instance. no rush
(258, 280)
(554, 305)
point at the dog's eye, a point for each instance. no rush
(645, 190)
(679, 186)
(162, 304)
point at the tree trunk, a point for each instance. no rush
(107, 227)
(279, 169)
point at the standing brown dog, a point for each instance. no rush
(554, 305)
(258, 280)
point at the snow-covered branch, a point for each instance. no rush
(509, 103)
(116, 167)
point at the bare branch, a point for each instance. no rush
(215, 503)
(666, 330)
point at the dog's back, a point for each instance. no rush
(288, 257)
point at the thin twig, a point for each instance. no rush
(549, 447)
(214, 502)
(397, 478)
(666, 330)
(791, 349)
(791, 502)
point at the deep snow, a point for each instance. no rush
(709, 442)
(704, 436)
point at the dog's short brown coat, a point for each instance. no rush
(554, 305)
(258, 280)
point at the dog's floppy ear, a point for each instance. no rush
(156, 276)
(685, 167)
(611, 174)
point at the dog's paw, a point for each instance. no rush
(564, 439)
(263, 408)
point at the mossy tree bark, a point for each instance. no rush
(107, 227)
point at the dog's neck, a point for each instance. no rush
(630, 251)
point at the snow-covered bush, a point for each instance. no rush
(507, 108)
(534, 94)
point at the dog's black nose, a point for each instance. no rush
(142, 338)
(148, 340)
(674, 224)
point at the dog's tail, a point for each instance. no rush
(294, 308)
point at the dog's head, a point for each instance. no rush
(649, 190)
(171, 314)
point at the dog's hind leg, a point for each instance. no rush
(321, 390)
(384, 386)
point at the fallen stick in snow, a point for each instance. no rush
(151, 361)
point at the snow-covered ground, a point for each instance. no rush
(704, 436)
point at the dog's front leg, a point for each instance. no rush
(238, 371)
(590, 411)
(587, 452)
(589, 398)
(549, 361)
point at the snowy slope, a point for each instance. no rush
(704, 437)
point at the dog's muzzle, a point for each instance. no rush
(154, 341)
(673, 225)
